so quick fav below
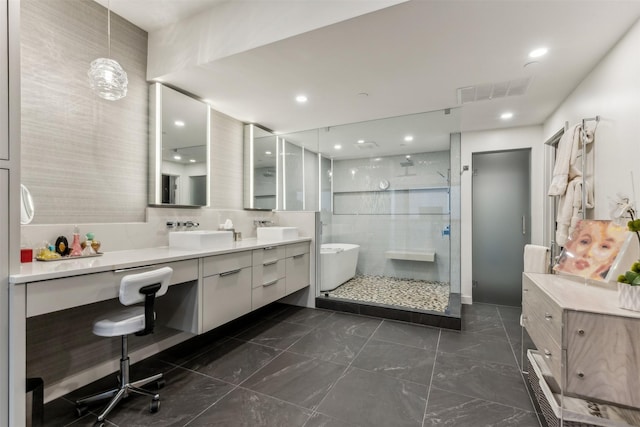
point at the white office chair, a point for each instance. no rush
(140, 319)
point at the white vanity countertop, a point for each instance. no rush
(116, 260)
(573, 294)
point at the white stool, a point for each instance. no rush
(134, 288)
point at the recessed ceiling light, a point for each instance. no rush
(268, 153)
(192, 160)
(179, 123)
(177, 157)
(337, 146)
(506, 116)
(408, 156)
(408, 138)
(301, 99)
(361, 141)
(537, 53)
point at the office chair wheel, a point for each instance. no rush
(81, 410)
(155, 406)
(160, 383)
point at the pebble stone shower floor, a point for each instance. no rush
(420, 294)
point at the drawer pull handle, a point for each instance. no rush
(268, 248)
(581, 332)
(229, 273)
(269, 263)
(580, 374)
(547, 354)
(298, 256)
(525, 290)
(548, 316)
(273, 282)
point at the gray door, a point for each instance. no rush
(501, 225)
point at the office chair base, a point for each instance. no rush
(123, 391)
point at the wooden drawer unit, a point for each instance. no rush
(603, 357)
(589, 344)
(268, 293)
(225, 263)
(226, 296)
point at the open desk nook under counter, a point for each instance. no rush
(54, 306)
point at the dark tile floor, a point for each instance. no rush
(288, 366)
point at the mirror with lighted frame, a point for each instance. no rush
(178, 149)
(261, 168)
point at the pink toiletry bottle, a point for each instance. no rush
(76, 249)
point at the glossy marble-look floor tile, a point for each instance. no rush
(299, 367)
(397, 360)
(246, 408)
(296, 378)
(495, 382)
(456, 410)
(370, 399)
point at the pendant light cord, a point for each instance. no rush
(109, 27)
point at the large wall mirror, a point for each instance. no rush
(262, 154)
(178, 149)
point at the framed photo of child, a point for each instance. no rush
(591, 249)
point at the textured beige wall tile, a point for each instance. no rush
(83, 158)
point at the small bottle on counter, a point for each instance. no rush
(76, 249)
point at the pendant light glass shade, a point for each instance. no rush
(106, 77)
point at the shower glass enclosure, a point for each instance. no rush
(389, 187)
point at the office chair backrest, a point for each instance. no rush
(132, 286)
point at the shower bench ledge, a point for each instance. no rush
(427, 256)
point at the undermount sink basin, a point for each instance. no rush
(200, 239)
(277, 233)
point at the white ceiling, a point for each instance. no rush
(408, 58)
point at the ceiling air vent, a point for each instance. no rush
(366, 145)
(491, 91)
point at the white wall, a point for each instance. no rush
(612, 91)
(497, 140)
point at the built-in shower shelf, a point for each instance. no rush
(427, 256)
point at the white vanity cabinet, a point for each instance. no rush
(4, 79)
(590, 345)
(297, 266)
(269, 275)
(226, 288)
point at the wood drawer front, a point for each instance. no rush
(268, 293)
(89, 288)
(225, 297)
(268, 254)
(297, 272)
(544, 308)
(268, 273)
(547, 346)
(224, 263)
(297, 249)
(607, 354)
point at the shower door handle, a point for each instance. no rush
(524, 225)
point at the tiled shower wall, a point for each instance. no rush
(386, 225)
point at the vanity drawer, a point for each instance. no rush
(267, 293)
(540, 306)
(547, 346)
(268, 255)
(225, 263)
(226, 296)
(266, 273)
(58, 294)
(297, 249)
(297, 272)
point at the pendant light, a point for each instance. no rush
(106, 76)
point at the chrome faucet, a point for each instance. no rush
(262, 223)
